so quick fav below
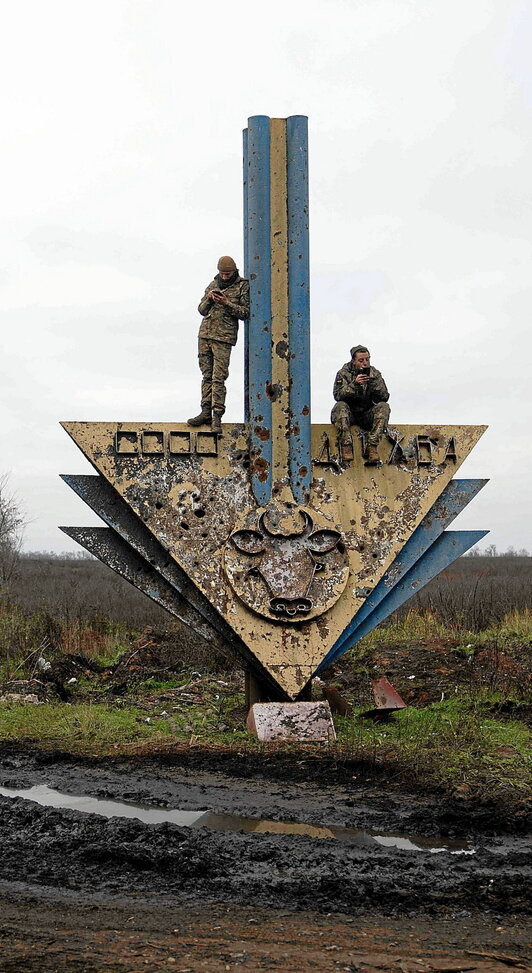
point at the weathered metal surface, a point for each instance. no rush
(299, 306)
(245, 184)
(259, 329)
(386, 697)
(286, 567)
(99, 495)
(192, 492)
(449, 546)
(453, 499)
(278, 349)
(117, 554)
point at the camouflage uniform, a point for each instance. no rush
(217, 335)
(364, 406)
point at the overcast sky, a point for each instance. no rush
(121, 185)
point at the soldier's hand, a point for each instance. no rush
(362, 379)
(219, 298)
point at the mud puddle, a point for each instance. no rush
(49, 797)
(218, 849)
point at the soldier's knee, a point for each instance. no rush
(205, 364)
(382, 410)
(341, 413)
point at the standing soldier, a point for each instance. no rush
(226, 300)
(361, 400)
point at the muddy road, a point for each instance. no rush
(255, 842)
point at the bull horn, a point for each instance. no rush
(306, 528)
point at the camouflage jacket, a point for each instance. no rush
(359, 397)
(220, 323)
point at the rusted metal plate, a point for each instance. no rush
(387, 700)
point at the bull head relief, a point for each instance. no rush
(286, 566)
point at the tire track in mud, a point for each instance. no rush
(64, 849)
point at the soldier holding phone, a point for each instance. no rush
(361, 400)
(224, 303)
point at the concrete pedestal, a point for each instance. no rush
(291, 722)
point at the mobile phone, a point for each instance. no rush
(363, 371)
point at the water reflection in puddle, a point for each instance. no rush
(49, 797)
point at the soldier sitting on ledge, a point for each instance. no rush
(361, 400)
(226, 299)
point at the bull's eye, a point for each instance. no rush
(248, 541)
(322, 541)
(319, 566)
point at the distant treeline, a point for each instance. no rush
(474, 593)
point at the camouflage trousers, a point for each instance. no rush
(213, 358)
(373, 421)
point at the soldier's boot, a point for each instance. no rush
(372, 456)
(345, 441)
(203, 419)
(216, 423)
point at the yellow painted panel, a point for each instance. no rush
(192, 492)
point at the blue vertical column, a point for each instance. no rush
(257, 248)
(245, 166)
(299, 305)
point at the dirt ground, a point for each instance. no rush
(82, 892)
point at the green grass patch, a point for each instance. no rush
(79, 726)
(454, 747)
(424, 624)
(454, 744)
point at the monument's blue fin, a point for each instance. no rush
(453, 499)
(446, 548)
(259, 329)
(300, 462)
(245, 169)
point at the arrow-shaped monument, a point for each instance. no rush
(264, 538)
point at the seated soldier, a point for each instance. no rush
(361, 400)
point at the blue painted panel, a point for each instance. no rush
(299, 305)
(259, 346)
(452, 500)
(245, 166)
(446, 549)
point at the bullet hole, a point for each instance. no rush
(362, 547)
(199, 512)
(158, 505)
(184, 525)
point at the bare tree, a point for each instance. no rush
(11, 529)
